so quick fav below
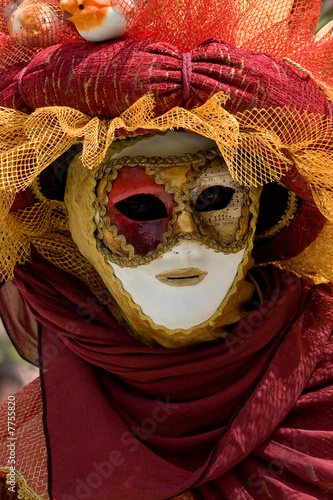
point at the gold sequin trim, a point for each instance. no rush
(36, 191)
(197, 159)
(24, 491)
(285, 221)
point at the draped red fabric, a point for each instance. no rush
(291, 241)
(105, 79)
(242, 418)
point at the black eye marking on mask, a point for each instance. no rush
(214, 198)
(142, 207)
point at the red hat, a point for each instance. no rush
(275, 79)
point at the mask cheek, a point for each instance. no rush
(226, 227)
(110, 242)
(144, 236)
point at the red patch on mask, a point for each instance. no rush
(131, 183)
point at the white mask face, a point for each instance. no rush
(184, 287)
(172, 234)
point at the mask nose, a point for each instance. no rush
(184, 224)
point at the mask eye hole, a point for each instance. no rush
(142, 207)
(214, 198)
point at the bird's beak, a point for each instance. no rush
(66, 15)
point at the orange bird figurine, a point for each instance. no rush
(97, 20)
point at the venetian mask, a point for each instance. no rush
(170, 233)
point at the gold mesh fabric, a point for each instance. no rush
(316, 260)
(257, 145)
(30, 446)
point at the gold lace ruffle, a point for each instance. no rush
(257, 146)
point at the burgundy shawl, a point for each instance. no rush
(245, 418)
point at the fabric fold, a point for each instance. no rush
(147, 410)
